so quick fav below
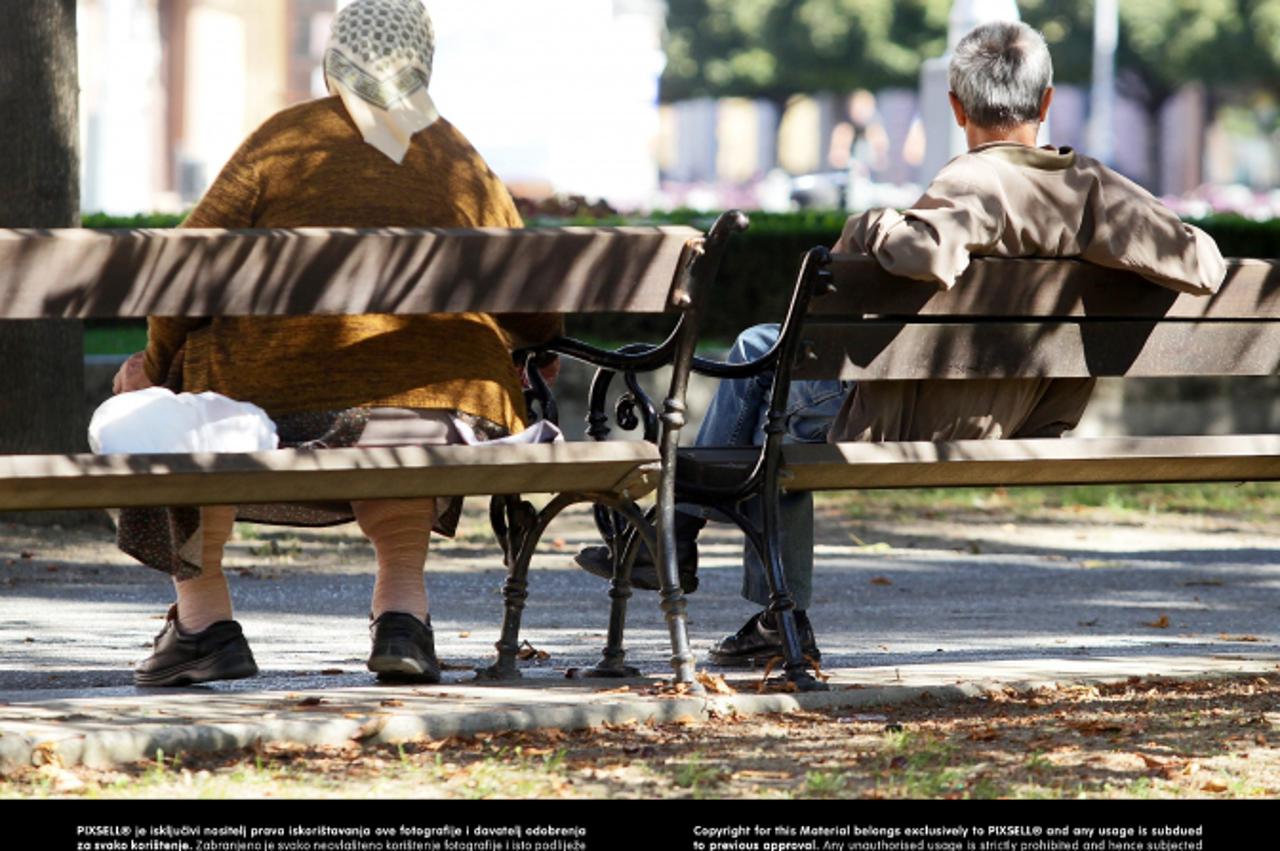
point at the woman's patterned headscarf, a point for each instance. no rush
(378, 61)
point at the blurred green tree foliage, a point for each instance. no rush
(776, 48)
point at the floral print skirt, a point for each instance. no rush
(168, 539)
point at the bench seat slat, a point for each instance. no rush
(1047, 288)
(895, 350)
(1015, 462)
(287, 475)
(84, 274)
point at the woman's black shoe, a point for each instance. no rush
(759, 641)
(219, 652)
(404, 649)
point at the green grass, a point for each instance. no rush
(922, 766)
(824, 784)
(1250, 501)
(698, 775)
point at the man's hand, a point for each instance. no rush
(131, 375)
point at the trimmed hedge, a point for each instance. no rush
(760, 266)
(138, 220)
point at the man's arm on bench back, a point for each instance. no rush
(1013, 201)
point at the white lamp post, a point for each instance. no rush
(1102, 94)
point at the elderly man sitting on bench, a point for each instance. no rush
(1005, 197)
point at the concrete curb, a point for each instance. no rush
(94, 744)
(101, 734)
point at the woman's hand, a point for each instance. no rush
(550, 371)
(131, 375)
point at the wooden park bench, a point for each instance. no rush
(82, 274)
(1005, 318)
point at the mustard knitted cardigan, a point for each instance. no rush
(308, 167)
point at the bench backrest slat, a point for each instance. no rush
(894, 350)
(133, 273)
(1046, 288)
(1042, 319)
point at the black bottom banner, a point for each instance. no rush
(687, 825)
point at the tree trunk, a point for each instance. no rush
(41, 362)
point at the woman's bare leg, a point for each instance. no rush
(206, 599)
(400, 530)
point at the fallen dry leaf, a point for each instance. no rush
(881, 580)
(752, 774)
(1213, 786)
(817, 669)
(62, 780)
(715, 683)
(1161, 622)
(391, 701)
(778, 686)
(370, 728)
(466, 633)
(1166, 766)
(46, 753)
(1224, 637)
(537, 752)
(437, 744)
(768, 669)
(331, 672)
(528, 652)
(1095, 728)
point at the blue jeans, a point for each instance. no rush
(736, 417)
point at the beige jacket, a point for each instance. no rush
(1009, 200)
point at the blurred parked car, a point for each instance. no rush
(824, 190)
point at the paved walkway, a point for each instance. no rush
(901, 608)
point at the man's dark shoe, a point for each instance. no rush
(759, 641)
(404, 649)
(219, 652)
(598, 560)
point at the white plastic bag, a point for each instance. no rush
(157, 420)
(543, 431)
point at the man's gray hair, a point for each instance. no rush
(1000, 72)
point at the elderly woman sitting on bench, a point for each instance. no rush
(373, 154)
